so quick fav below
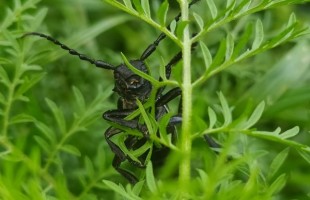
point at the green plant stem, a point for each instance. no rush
(220, 21)
(145, 18)
(75, 127)
(185, 140)
(6, 111)
(97, 178)
(63, 140)
(10, 99)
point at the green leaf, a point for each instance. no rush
(273, 134)
(43, 144)
(281, 37)
(120, 190)
(89, 167)
(22, 98)
(27, 67)
(48, 133)
(150, 179)
(230, 4)
(163, 123)
(206, 55)
(147, 146)
(27, 84)
(219, 57)
(79, 99)
(281, 77)
(283, 2)
(292, 20)
(229, 8)
(138, 6)
(199, 20)
(123, 147)
(241, 44)
(212, 117)
(290, 133)
(117, 188)
(277, 163)
(305, 155)
(203, 176)
(149, 153)
(212, 8)
(229, 47)
(172, 26)
(128, 4)
(225, 109)
(21, 118)
(180, 28)
(4, 60)
(259, 35)
(4, 77)
(256, 115)
(2, 98)
(264, 3)
(137, 188)
(145, 117)
(277, 185)
(162, 13)
(146, 7)
(38, 18)
(70, 149)
(243, 5)
(58, 114)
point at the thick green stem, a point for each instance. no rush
(185, 140)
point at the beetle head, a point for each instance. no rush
(130, 85)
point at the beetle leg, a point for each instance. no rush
(117, 116)
(211, 142)
(110, 132)
(177, 119)
(129, 176)
(174, 120)
(170, 95)
(175, 60)
(171, 63)
(166, 98)
(120, 155)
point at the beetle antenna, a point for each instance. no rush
(97, 63)
(152, 47)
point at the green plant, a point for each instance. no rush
(43, 148)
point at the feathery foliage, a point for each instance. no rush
(255, 52)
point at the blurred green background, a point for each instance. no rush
(280, 76)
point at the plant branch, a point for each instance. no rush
(185, 140)
(147, 19)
